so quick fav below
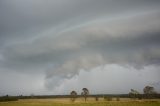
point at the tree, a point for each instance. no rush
(73, 95)
(85, 93)
(149, 90)
(133, 93)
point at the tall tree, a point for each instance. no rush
(149, 90)
(73, 96)
(133, 93)
(85, 93)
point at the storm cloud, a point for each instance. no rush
(59, 39)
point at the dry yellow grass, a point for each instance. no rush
(81, 102)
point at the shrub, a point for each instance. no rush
(108, 98)
(96, 98)
(117, 99)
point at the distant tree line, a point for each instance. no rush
(148, 93)
(8, 98)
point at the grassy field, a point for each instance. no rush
(80, 102)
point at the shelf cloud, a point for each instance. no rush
(60, 38)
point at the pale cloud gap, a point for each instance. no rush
(108, 79)
(59, 39)
(111, 79)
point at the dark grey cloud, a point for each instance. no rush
(60, 38)
(27, 18)
(106, 39)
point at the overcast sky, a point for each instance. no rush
(55, 46)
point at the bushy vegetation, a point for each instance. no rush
(117, 99)
(96, 98)
(8, 98)
(107, 98)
